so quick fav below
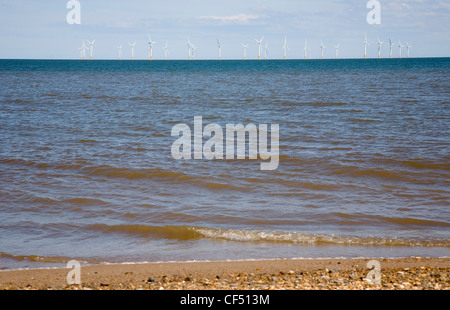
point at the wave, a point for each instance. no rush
(110, 172)
(295, 184)
(40, 165)
(310, 239)
(327, 103)
(358, 219)
(161, 174)
(47, 201)
(88, 141)
(158, 232)
(363, 120)
(85, 201)
(132, 173)
(40, 258)
(377, 173)
(190, 233)
(423, 164)
(42, 201)
(388, 169)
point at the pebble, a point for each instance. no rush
(324, 279)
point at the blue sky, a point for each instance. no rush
(38, 29)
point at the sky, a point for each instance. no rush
(31, 29)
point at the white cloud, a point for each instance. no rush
(122, 24)
(444, 4)
(399, 6)
(240, 18)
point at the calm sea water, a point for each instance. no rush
(86, 170)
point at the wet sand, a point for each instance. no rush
(412, 273)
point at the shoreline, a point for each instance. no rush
(406, 273)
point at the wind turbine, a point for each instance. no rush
(150, 51)
(390, 47)
(189, 48)
(220, 49)
(365, 46)
(166, 50)
(83, 51)
(194, 48)
(120, 51)
(407, 49)
(285, 47)
(259, 47)
(379, 48)
(400, 46)
(306, 47)
(91, 48)
(132, 49)
(322, 47)
(245, 50)
(266, 52)
(337, 50)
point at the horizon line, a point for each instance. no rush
(226, 59)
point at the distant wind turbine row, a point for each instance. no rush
(192, 49)
(83, 49)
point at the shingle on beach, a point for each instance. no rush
(412, 273)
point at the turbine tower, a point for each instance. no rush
(166, 50)
(194, 48)
(379, 48)
(245, 50)
(322, 47)
(150, 51)
(285, 47)
(259, 47)
(83, 51)
(365, 46)
(400, 46)
(337, 50)
(132, 50)
(390, 48)
(91, 48)
(266, 50)
(120, 51)
(189, 48)
(306, 47)
(220, 49)
(407, 49)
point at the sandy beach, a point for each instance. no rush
(413, 273)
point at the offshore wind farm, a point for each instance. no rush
(300, 53)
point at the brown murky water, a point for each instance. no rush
(86, 170)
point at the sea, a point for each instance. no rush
(87, 170)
